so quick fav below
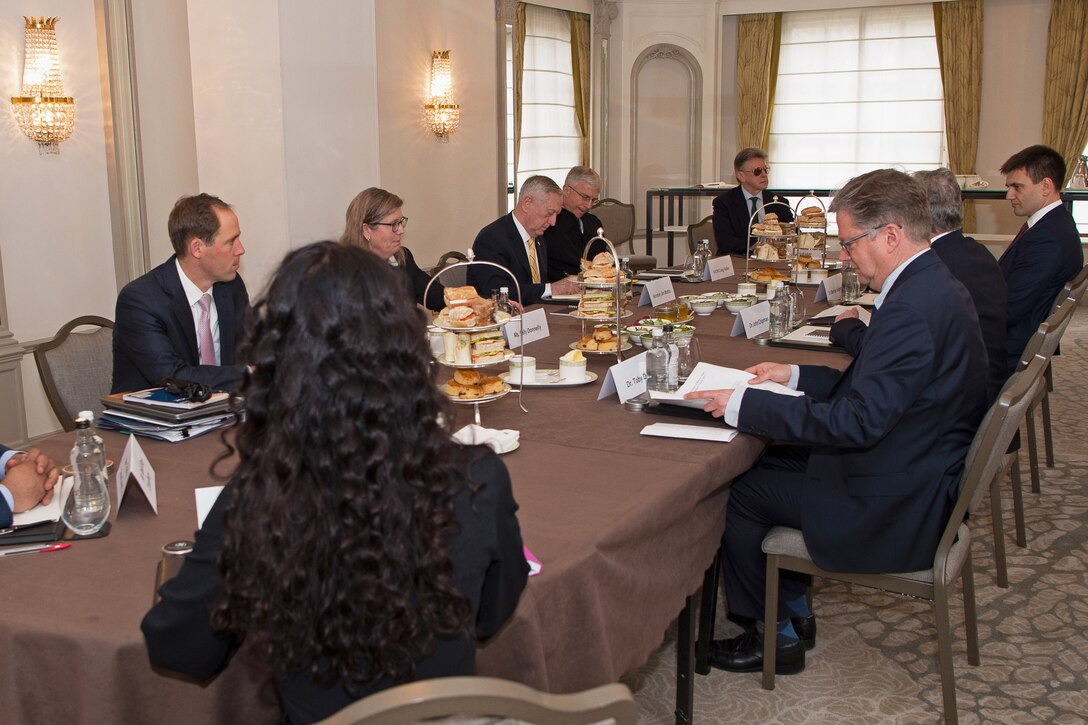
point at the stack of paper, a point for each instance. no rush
(157, 414)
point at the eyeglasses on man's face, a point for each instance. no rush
(847, 244)
(397, 225)
(586, 198)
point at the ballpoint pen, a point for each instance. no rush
(34, 549)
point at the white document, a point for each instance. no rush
(690, 432)
(719, 268)
(830, 289)
(134, 462)
(715, 377)
(868, 299)
(535, 325)
(657, 292)
(752, 321)
(46, 512)
(205, 499)
(627, 379)
(863, 314)
(810, 335)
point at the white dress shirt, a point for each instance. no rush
(525, 245)
(193, 295)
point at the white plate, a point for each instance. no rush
(625, 346)
(511, 449)
(481, 399)
(550, 379)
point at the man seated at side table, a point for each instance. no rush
(184, 318)
(733, 210)
(574, 225)
(26, 479)
(881, 444)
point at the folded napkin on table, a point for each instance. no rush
(500, 441)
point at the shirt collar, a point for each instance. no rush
(894, 276)
(192, 292)
(521, 230)
(1034, 218)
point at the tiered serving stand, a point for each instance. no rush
(818, 232)
(619, 287)
(785, 244)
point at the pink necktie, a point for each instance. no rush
(204, 332)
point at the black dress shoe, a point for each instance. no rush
(805, 627)
(745, 654)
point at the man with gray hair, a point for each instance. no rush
(515, 242)
(970, 263)
(880, 446)
(733, 209)
(574, 226)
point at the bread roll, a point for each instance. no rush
(468, 377)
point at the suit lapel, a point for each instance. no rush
(179, 308)
(520, 255)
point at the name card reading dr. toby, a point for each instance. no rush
(533, 324)
(657, 292)
(627, 379)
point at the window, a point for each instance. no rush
(1080, 208)
(858, 89)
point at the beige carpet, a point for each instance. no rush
(874, 660)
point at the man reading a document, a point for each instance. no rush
(881, 444)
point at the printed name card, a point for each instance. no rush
(627, 379)
(134, 463)
(719, 268)
(830, 290)
(534, 324)
(752, 321)
(657, 292)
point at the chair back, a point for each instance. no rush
(618, 220)
(702, 229)
(456, 278)
(1046, 338)
(76, 368)
(464, 697)
(1075, 287)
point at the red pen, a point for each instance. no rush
(34, 549)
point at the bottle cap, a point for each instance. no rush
(504, 290)
(657, 332)
(668, 328)
(88, 414)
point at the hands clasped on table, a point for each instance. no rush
(30, 477)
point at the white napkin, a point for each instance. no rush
(690, 432)
(500, 441)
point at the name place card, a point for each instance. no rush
(626, 379)
(657, 292)
(752, 321)
(532, 327)
(830, 290)
(720, 268)
(134, 463)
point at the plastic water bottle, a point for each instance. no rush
(657, 362)
(700, 259)
(88, 415)
(626, 274)
(504, 301)
(779, 301)
(88, 506)
(672, 380)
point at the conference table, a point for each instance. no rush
(624, 526)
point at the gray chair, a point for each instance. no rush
(785, 547)
(618, 220)
(453, 278)
(463, 697)
(76, 368)
(702, 229)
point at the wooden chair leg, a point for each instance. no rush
(1018, 501)
(1033, 449)
(944, 654)
(770, 619)
(998, 520)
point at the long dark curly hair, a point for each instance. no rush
(335, 558)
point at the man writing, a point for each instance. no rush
(514, 241)
(184, 318)
(1046, 253)
(26, 479)
(733, 210)
(882, 443)
(574, 225)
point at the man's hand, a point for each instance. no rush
(775, 372)
(518, 309)
(716, 400)
(565, 286)
(848, 313)
(30, 477)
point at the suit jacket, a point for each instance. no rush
(977, 270)
(417, 283)
(500, 242)
(488, 567)
(566, 240)
(154, 335)
(731, 215)
(1036, 266)
(5, 512)
(888, 434)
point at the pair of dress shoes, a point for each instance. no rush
(745, 652)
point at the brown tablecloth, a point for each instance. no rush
(624, 525)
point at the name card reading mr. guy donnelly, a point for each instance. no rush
(134, 463)
(719, 268)
(830, 290)
(534, 324)
(657, 292)
(752, 321)
(627, 379)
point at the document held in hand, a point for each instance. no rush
(715, 377)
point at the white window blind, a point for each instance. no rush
(550, 139)
(858, 89)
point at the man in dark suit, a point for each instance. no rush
(1046, 253)
(882, 443)
(970, 263)
(26, 479)
(574, 225)
(733, 209)
(184, 318)
(515, 242)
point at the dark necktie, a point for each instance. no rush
(755, 206)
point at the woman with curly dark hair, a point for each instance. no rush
(357, 545)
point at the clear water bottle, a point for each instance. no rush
(700, 259)
(626, 274)
(796, 306)
(88, 505)
(779, 301)
(851, 285)
(504, 301)
(672, 379)
(88, 415)
(657, 362)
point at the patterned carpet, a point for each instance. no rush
(874, 660)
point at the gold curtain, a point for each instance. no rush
(958, 27)
(519, 71)
(580, 61)
(1065, 92)
(758, 40)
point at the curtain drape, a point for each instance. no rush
(519, 72)
(758, 39)
(958, 27)
(1065, 93)
(580, 62)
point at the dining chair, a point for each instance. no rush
(618, 220)
(464, 697)
(455, 278)
(785, 547)
(76, 368)
(702, 229)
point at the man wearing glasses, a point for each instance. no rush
(878, 449)
(733, 209)
(574, 225)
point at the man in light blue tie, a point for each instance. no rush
(26, 479)
(733, 209)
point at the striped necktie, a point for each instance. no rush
(532, 260)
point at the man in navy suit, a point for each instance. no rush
(514, 241)
(26, 479)
(1046, 253)
(970, 263)
(574, 225)
(733, 209)
(882, 443)
(184, 318)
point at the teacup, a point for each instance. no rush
(572, 371)
(522, 368)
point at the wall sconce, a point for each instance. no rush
(443, 115)
(42, 110)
